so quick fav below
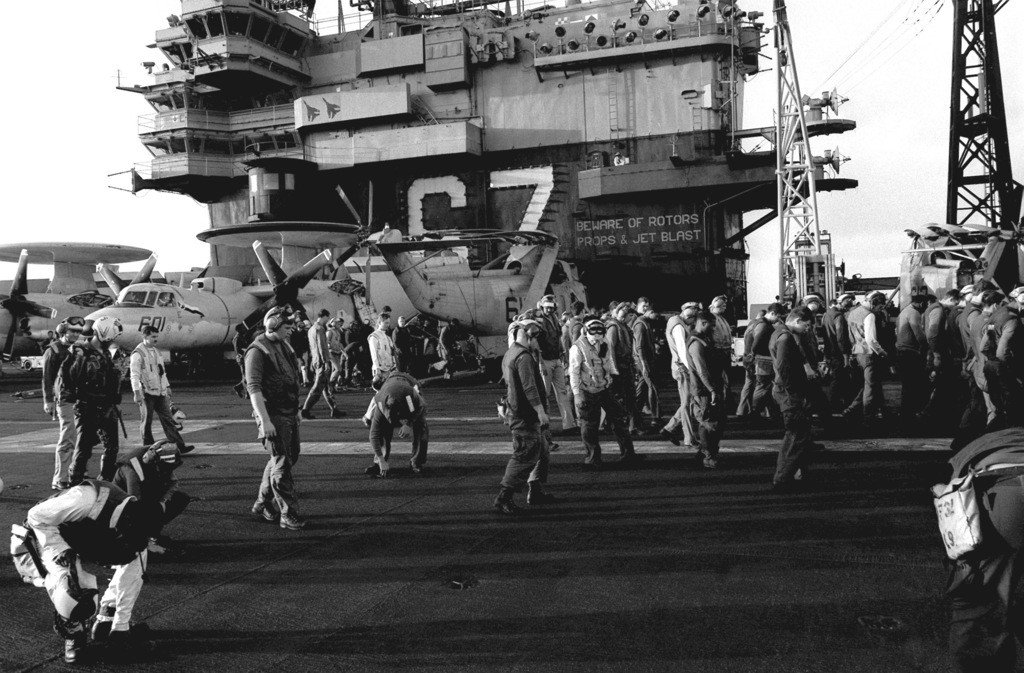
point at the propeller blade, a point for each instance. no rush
(113, 280)
(20, 283)
(275, 274)
(146, 271)
(345, 256)
(298, 279)
(9, 344)
(20, 307)
(255, 319)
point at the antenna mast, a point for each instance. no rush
(797, 204)
(981, 189)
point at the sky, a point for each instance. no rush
(75, 129)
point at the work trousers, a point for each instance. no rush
(683, 417)
(764, 375)
(277, 484)
(746, 405)
(95, 424)
(321, 376)
(588, 408)
(913, 382)
(119, 599)
(646, 393)
(159, 405)
(530, 458)
(1004, 388)
(710, 421)
(337, 368)
(981, 588)
(552, 372)
(65, 444)
(946, 396)
(623, 389)
(382, 431)
(869, 398)
(839, 384)
(796, 443)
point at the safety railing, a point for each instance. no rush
(271, 116)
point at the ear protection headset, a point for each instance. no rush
(276, 317)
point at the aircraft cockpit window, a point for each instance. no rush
(165, 299)
(137, 297)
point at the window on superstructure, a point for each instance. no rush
(260, 29)
(197, 27)
(289, 182)
(216, 146)
(271, 182)
(292, 43)
(237, 23)
(274, 38)
(215, 22)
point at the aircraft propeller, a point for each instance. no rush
(117, 284)
(18, 306)
(286, 287)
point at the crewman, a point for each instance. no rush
(677, 331)
(97, 522)
(707, 388)
(911, 346)
(552, 370)
(152, 390)
(272, 379)
(320, 366)
(865, 323)
(619, 336)
(1002, 346)
(764, 372)
(383, 358)
(89, 379)
(721, 337)
(57, 351)
(979, 411)
(572, 328)
(336, 351)
(790, 391)
(943, 353)
(147, 473)
(526, 415)
(448, 348)
(591, 370)
(646, 391)
(982, 585)
(403, 341)
(838, 351)
(398, 404)
(746, 405)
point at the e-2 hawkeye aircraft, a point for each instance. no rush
(205, 315)
(27, 318)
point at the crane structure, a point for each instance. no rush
(805, 265)
(981, 188)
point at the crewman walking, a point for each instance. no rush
(57, 351)
(272, 379)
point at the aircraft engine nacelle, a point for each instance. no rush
(216, 285)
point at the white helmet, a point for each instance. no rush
(107, 328)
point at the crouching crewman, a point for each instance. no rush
(96, 522)
(398, 403)
(147, 473)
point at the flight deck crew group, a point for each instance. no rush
(610, 362)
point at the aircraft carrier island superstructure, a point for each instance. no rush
(613, 125)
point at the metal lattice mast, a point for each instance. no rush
(981, 188)
(797, 197)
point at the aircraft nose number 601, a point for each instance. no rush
(157, 321)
